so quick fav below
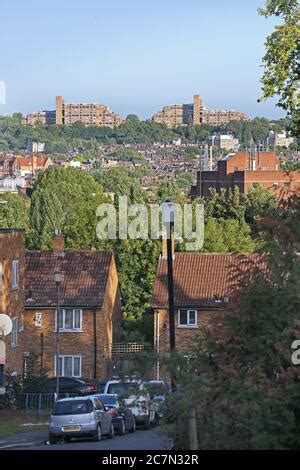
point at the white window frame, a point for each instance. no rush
(73, 356)
(15, 332)
(68, 330)
(188, 324)
(15, 274)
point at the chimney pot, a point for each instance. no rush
(58, 242)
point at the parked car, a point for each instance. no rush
(122, 417)
(158, 389)
(135, 397)
(80, 417)
(70, 385)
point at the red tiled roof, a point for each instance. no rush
(38, 161)
(84, 278)
(198, 277)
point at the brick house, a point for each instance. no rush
(12, 289)
(89, 318)
(31, 165)
(206, 287)
(9, 166)
(247, 170)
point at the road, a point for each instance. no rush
(140, 440)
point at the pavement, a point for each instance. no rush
(24, 439)
(38, 440)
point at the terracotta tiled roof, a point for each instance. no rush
(199, 277)
(84, 278)
(38, 161)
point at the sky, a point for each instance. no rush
(133, 55)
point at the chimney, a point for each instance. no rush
(58, 242)
(164, 253)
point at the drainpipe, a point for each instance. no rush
(95, 343)
(42, 353)
(157, 346)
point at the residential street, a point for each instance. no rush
(140, 440)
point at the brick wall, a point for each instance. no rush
(12, 247)
(71, 343)
(209, 320)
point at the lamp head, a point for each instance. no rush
(168, 212)
(57, 277)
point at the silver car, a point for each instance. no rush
(79, 417)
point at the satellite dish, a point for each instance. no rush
(5, 324)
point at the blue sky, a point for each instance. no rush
(134, 55)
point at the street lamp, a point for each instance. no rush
(168, 216)
(57, 280)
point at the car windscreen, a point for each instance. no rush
(75, 407)
(123, 388)
(107, 400)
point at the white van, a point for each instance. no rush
(135, 397)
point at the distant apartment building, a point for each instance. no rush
(248, 170)
(40, 117)
(226, 142)
(36, 147)
(221, 117)
(280, 140)
(90, 114)
(182, 114)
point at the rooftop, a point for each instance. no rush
(202, 279)
(84, 278)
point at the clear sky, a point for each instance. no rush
(134, 55)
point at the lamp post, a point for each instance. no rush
(168, 216)
(57, 280)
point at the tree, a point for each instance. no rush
(137, 261)
(227, 235)
(280, 61)
(66, 199)
(241, 379)
(14, 212)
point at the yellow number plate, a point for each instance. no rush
(71, 428)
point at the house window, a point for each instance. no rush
(15, 274)
(187, 318)
(70, 319)
(14, 332)
(68, 366)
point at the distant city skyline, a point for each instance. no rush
(134, 56)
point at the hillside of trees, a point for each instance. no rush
(15, 136)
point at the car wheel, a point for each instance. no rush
(133, 427)
(112, 431)
(52, 439)
(147, 424)
(122, 429)
(98, 434)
